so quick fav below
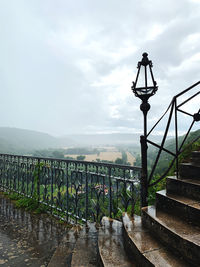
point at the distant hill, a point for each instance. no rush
(14, 140)
(20, 141)
(166, 158)
(105, 139)
(109, 139)
(170, 144)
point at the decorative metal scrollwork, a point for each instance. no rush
(80, 190)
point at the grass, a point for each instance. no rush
(32, 205)
(29, 204)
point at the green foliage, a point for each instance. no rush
(36, 175)
(166, 158)
(153, 189)
(14, 196)
(50, 153)
(137, 160)
(165, 162)
(124, 157)
(97, 206)
(70, 158)
(24, 202)
(58, 213)
(137, 207)
(185, 156)
(81, 157)
(119, 161)
(31, 204)
(27, 203)
(58, 154)
(116, 211)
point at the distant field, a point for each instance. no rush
(108, 155)
(130, 157)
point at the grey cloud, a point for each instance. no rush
(52, 54)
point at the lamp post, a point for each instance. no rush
(147, 88)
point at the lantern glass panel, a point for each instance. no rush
(149, 78)
(141, 78)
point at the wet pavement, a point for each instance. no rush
(110, 243)
(27, 239)
(85, 252)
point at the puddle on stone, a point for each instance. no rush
(27, 239)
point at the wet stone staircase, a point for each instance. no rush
(167, 234)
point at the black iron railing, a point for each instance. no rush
(175, 107)
(79, 190)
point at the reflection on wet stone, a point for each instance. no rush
(27, 239)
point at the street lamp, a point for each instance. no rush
(144, 91)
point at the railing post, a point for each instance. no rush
(38, 182)
(110, 192)
(52, 175)
(86, 193)
(67, 192)
(4, 171)
(144, 182)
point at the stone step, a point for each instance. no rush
(189, 171)
(85, 251)
(186, 208)
(144, 248)
(195, 157)
(180, 237)
(188, 188)
(110, 243)
(63, 253)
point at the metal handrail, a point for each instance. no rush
(96, 163)
(174, 109)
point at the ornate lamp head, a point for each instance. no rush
(149, 85)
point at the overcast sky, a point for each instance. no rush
(67, 66)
